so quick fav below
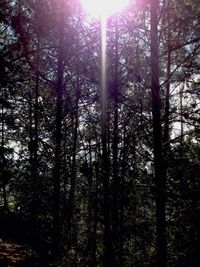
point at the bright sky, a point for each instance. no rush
(103, 8)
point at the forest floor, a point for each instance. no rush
(12, 255)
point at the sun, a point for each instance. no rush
(103, 8)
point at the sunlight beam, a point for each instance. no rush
(103, 8)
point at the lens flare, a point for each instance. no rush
(103, 8)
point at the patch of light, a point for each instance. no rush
(104, 8)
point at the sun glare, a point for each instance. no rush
(103, 8)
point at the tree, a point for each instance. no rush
(159, 167)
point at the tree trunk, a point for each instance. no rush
(2, 160)
(116, 177)
(90, 206)
(167, 97)
(34, 146)
(167, 106)
(71, 228)
(56, 234)
(94, 232)
(107, 243)
(159, 167)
